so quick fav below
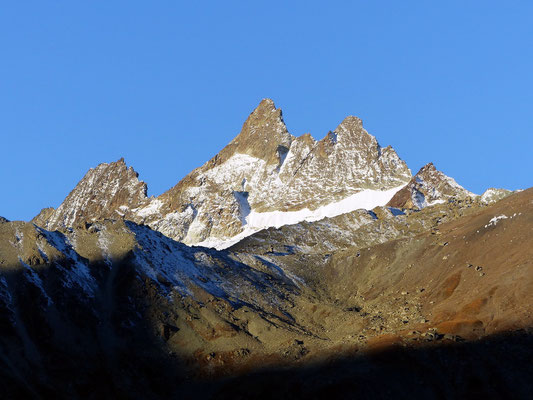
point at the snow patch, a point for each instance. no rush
(396, 211)
(256, 221)
(103, 243)
(419, 199)
(234, 169)
(494, 220)
(150, 209)
(366, 199)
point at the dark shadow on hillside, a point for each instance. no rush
(101, 348)
(497, 367)
(58, 341)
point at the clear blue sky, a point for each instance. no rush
(167, 84)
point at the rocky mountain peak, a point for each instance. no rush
(429, 186)
(351, 124)
(263, 135)
(351, 135)
(431, 176)
(44, 216)
(107, 191)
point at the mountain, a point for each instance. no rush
(284, 266)
(264, 177)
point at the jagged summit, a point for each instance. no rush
(429, 186)
(262, 135)
(265, 176)
(106, 191)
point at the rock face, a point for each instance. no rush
(429, 186)
(82, 299)
(43, 217)
(264, 177)
(107, 191)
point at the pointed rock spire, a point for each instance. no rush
(355, 142)
(262, 134)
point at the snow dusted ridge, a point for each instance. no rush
(263, 178)
(184, 269)
(266, 177)
(256, 221)
(78, 269)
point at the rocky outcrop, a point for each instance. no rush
(3, 220)
(43, 217)
(428, 187)
(493, 195)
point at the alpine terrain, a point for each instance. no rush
(284, 267)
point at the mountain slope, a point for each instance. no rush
(105, 291)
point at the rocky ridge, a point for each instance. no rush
(264, 177)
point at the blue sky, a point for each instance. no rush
(166, 84)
